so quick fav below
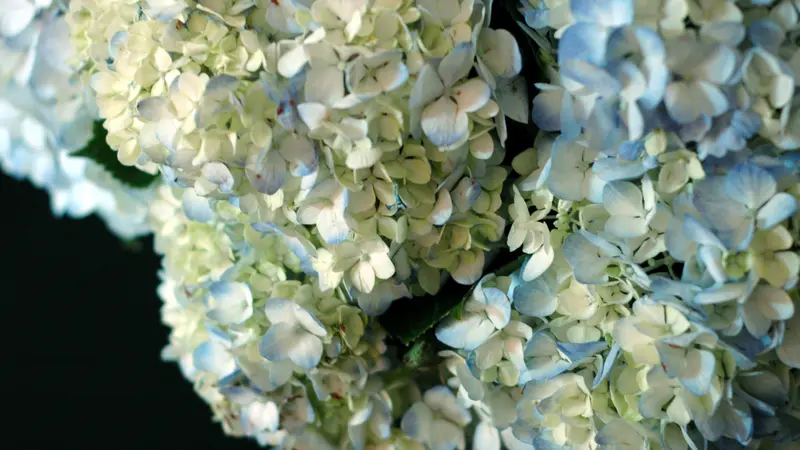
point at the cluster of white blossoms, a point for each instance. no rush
(358, 125)
(46, 114)
(325, 158)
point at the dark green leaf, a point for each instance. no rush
(98, 151)
(409, 318)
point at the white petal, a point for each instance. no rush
(219, 174)
(486, 437)
(467, 334)
(306, 350)
(443, 208)
(292, 61)
(279, 310)
(195, 207)
(313, 114)
(774, 303)
(232, 302)
(363, 157)
(538, 263)
(456, 64)
(502, 55)
(363, 276)
(444, 124)
(309, 322)
(382, 265)
(472, 95)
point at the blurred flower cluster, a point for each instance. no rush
(46, 114)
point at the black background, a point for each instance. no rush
(81, 336)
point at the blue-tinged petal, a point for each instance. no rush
(267, 172)
(416, 421)
(619, 433)
(547, 106)
(378, 301)
(231, 302)
(721, 294)
(196, 208)
(280, 310)
(542, 359)
(608, 13)
(766, 33)
(467, 334)
(608, 364)
(653, 401)
(582, 42)
(214, 358)
(687, 102)
(456, 64)
(750, 185)
(693, 367)
(284, 341)
(309, 322)
(612, 169)
(498, 307)
(332, 227)
(697, 232)
(604, 129)
(631, 150)
(154, 109)
(444, 124)
(221, 84)
(588, 262)
(427, 88)
(305, 350)
(536, 17)
(535, 298)
(667, 286)
(299, 245)
(578, 352)
(301, 154)
(777, 209)
(219, 174)
(591, 76)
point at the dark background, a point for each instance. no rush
(80, 339)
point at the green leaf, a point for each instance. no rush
(409, 318)
(98, 151)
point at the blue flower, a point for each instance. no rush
(743, 200)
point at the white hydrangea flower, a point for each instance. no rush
(45, 116)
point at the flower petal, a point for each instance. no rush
(456, 64)
(472, 95)
(444, 123)
(750, 185)
(232, 302)
(195, 207)
(777, 209)
(467, 334)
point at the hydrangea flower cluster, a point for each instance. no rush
(45, 114)
(324, 159)
(657, 306)
(361, 126)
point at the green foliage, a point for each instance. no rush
(98, 151)
(410, 318)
